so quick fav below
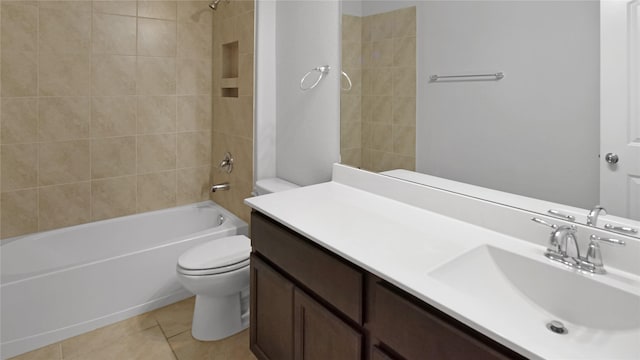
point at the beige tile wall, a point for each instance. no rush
(233, 116)
(351, 100)
(388, 91)
(105, 109)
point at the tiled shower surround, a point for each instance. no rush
(378, 113)
(106, 109)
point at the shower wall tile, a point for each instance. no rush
(19, 73)
(19, 27)
(109, 104)
(194, 113)
(19, 166)
(64, 30)
(156, 191)
(193, 40)
(19, 212)
(64, 74)
(159, 9)
(193, 76)
(404, 140)
(156, 75)
(73, 5)
(245, 32)
(114, 34)
(404, 51)
(63, 162)
(404, 110)
(113, 197)
(156, 37)
(112, 157)
(113, 116)
(244, 119)
(404, 22)
(233, 117)
(245, 78)
(193, 185)
(114, 75)
(19, 120)
(388, 94)
(64, 118)
(115, 7)
(64, 205)
(193, 149)
(156, 114)
(156, 153)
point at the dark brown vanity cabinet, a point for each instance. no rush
(307, 303)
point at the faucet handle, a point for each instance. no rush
(593, 261)
(542, 222)
(607, 240)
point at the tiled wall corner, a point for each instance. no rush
(233, 116)
(105, 109)
(385, 86)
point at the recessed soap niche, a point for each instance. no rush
(229, 83)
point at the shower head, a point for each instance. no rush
(214, 4)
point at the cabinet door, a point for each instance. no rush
(320, 335)
(379, 354)
(271, 313)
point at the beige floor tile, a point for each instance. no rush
(51, 352)
(236, 347)
(175, 318)
(149, 344)
(88, 343)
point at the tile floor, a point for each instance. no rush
(161, 334)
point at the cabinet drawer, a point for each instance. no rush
(417, 333)
(326, 275)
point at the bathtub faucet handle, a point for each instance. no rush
(227, 163)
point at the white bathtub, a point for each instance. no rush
(61, 283)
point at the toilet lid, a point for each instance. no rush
(220, 253)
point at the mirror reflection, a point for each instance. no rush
(541, 130)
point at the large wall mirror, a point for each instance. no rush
(552, 88)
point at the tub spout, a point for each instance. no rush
(220, 187)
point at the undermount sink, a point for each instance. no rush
(497, 278)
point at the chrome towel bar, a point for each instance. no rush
(497, 76)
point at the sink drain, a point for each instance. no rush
(557, 327)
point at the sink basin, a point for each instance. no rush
(517, 284)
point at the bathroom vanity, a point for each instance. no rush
(371, 267)
(304, 297)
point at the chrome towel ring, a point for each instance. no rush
(323, 70)
(348, 80)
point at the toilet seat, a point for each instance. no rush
(213, 271)
(216, 257)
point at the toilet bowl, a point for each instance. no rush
(217, 272)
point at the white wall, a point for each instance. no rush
(308, 122)
(264, 148)
(536, 132)
(297, 134)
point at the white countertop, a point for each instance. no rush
(402, 243)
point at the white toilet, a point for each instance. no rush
(217, 272)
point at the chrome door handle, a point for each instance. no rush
(611, 158)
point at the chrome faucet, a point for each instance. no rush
(563, 248)
(561, 237)
(592, 218)
(220, 187)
